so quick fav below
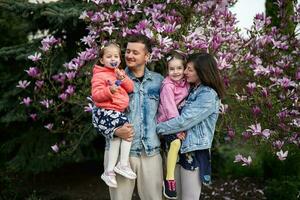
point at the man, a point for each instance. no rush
(145, 158)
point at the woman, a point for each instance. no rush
(198, 119)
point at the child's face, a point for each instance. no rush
(111, 57)
(176, 69)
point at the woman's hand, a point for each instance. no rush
(125, 132)
(181, 135)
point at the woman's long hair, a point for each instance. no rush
(208, 72)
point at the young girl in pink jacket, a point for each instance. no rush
(174, 90)
(110, 88)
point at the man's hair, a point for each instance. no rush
(141, 39)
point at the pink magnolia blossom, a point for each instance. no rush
(240, 98)
(88, 54)
(276, 71)
(84, 15)
(143, 24)
(246, 135)
(296, 122)
(97, 17)
(251, 87)
(238, 158)
(256, 111)
(70, 75)
(33, 116)
(55, 148)
(74, 64)
(285, 82)
(36, 57)
(264, 92)
(260, 70)
(48, 42)
(256, 129)
(59, 77)
(241, 159)
(297, 75)
(230, 133)
(63, 96)
(70, 90)
(282, 155)
(266, 133)
(46, 102)
(33, 72)
(246, 161)
(283, 115)
(88, 108)
(39, 84)
(23, 84)
(278, 144)
(26, 101)
(49, 126)
(89, 40)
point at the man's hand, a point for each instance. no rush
(181, 135)
(125, 132)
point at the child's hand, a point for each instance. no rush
(181, 135)
(120, 74)
(113, 88)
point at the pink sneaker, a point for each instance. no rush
(109, 178)
(125, 170)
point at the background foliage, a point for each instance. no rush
(259, 118)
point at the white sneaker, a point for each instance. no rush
(109, 178)
(125, 170)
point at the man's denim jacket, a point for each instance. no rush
(198, 118)
(143, 105)
(141, 112)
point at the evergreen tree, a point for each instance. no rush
(281, 13)
(23, 144)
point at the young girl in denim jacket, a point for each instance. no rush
(110, 88)
(174, 89)
(198, 118)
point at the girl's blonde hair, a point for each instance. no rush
(105, 46)
(176, 55)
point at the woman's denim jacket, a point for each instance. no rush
(142, 110)
(198, 118)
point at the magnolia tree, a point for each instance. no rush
(260, 71)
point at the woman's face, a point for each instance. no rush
(191, 74)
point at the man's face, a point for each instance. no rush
(136, 55)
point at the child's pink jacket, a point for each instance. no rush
(101, 95)
(172, 93)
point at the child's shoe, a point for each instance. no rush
(109, 178)
(169, 189)
(125, 170)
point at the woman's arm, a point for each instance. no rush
(193, 114)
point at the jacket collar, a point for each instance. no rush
(147, 74)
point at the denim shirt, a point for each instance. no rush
(198, 118)
(142, 110)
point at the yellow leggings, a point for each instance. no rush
(172, 158)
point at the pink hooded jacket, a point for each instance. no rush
(101, 95)
(172, 93)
